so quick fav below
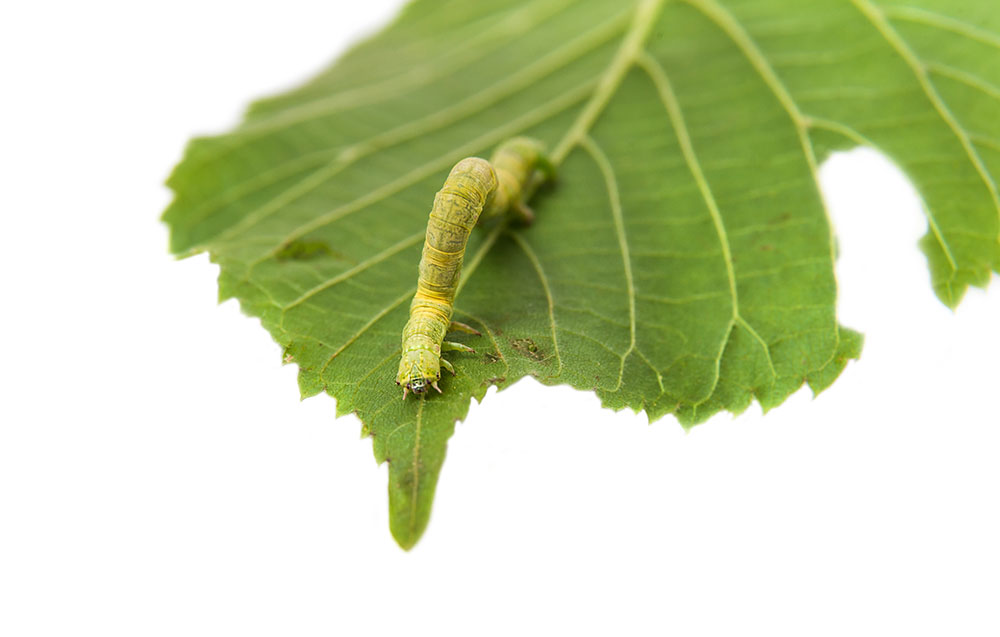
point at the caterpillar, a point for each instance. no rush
(474, 191)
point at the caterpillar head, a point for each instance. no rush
(419, 370)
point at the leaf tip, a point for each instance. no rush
(849, 349)
(406, 529)
(405, 541)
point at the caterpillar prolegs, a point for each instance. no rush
(475, 190)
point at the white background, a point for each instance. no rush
(159, 476)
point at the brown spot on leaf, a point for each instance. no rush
(303, 250)
(527, 347)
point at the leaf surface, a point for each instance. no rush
(683, 261)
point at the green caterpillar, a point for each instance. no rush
(475, 190)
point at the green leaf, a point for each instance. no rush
(683, 261)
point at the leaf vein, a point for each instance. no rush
(896, 42)
(442, 162)
(943, 22)
(537, 265)
(614, 200)
(389, 252)
(416, 467)
(473, 104)
(391, 88)
(364, 328)
(974, 81)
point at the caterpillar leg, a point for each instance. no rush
(523, 213)
(449, 346)
(451, 368)
(455, 326)
(545, 166)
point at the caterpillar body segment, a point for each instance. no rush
(475, 189)
(515, 163)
